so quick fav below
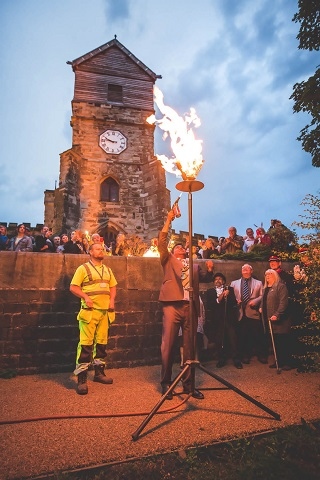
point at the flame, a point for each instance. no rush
(187, 150)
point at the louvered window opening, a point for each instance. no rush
(115, 93)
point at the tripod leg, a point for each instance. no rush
(136, 434)
(240, 392)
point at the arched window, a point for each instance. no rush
(109, 190)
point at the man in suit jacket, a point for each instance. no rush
(174, 295)
(253, 339)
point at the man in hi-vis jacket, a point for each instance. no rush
(95, 284)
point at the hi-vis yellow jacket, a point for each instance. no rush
(95, 281)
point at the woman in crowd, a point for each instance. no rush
(209, 249)
(262, 238)
(75, 244)
(63, 240)
(85, 243)
(21, 242)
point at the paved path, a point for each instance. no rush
(55, 444)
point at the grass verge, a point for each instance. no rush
(291, 453)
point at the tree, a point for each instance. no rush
(309, 18)
(306, 94)
(311, 219)
(309, 291)
(282, 238)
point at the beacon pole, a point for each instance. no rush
(190, 185)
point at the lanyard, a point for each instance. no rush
(101, 276)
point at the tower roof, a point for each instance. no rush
(113, 43)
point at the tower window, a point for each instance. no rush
(115, 93)
(109, 190)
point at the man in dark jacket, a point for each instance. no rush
(222, 322)
(42, 242)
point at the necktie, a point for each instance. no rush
(185, 274)
(185, 277)
(245, 291)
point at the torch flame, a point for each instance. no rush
(187, 150)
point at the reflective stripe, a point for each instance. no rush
(93, 282)
(86, 266)
(98, 292)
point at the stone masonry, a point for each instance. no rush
(38, 326)
(134, 170)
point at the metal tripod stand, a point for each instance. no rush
(193, 186)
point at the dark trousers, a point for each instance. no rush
(283, 346)
(176, 315)
(228, 341)
(253, 340)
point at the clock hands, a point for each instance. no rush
(116, 138)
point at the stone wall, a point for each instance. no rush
(38, 326)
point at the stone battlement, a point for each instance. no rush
(35, 230)
(12, 226)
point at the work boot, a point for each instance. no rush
(100, 376)
(82, 387)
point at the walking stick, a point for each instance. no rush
(274, 348)
(262, 321)
(224, 318)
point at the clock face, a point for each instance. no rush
(112, 141)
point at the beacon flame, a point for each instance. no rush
(187, 150)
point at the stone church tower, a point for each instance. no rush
(110, 181)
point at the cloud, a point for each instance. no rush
(117, 10)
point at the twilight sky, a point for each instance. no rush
(234, 61)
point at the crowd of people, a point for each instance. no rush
(239, 317)
(243, 318)
(278, 237)
(77, 242)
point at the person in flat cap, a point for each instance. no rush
(174, 296)
(276, 264)
(274, 258)
(222, 325)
